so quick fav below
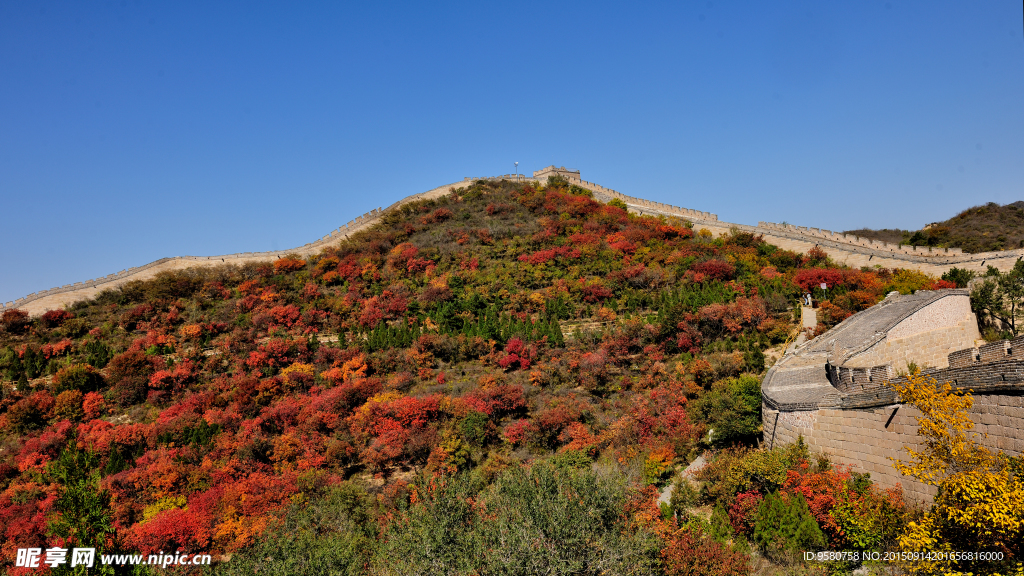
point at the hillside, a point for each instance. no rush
(986, 228)
(503, 377)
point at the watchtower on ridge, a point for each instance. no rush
(545, 173)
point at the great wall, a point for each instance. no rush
(844, 248)
(829, 390)
(833, 390)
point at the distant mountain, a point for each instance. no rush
(986, 228)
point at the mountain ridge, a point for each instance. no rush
(853, 250)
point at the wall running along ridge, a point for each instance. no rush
(850, 250)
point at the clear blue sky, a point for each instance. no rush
(131, 131)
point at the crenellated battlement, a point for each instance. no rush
(854, 240)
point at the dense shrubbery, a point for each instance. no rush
(476, 354)
(783, 527)
(786, 502)
(731, 410)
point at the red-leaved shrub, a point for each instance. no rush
(55, 318)
(689, 553)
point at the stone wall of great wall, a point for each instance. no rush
(868, 439)
(847, 249)
(864, 426)
(844, 248)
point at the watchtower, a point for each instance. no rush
(545, 173)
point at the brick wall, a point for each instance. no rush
(867, 427)
(866, 439)
(927, 349)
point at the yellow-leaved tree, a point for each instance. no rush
(979, 506)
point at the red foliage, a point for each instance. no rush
(59, 349)
(387, 306)
(741, 514)
(495, 209)
(173, 381)
(516, 432)
(247, 303)
(349, 269)
(14, 320)
(595, 291)
(185, 530)
(283, 414)
(288, 264)
(96, 435)
(593, 369)
(688, 339)
(812, 278)
(517, 352)
(376, 417)
(817, 255)
(618, 241)
(733, 317)
(829, 314)
(497, 401)
(31, 412)
(23, 521)
(713, 270)
(420, 265)
(93, 405)
(439, 215)
(249, 287)
(396, 427)
(140, 313)
(152, 338)
(542, 256)
(402, 255)
(216, 291)
(55, 318)
(689, 553)
(277, 353)
(822, 490)
(562, 203)
(659, 415)
(314, 320)
(584, 239)
(325, 410)
(484, 236)
(310, 291)
(548, 424)
(285, 315)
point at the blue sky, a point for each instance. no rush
(131, 131)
